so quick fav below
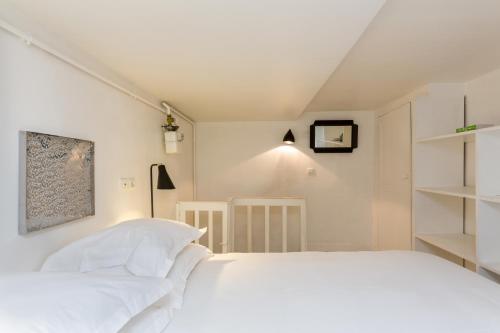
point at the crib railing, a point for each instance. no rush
(227, 209)
(267, 203)
(211, 207)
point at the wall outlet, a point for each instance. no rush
(127, 183)
(311, 171)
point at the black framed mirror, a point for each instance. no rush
(333, 136)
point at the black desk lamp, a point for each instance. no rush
(164, 182)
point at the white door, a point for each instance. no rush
(393, 230)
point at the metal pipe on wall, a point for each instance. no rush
(30, 41)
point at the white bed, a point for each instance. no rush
(336, 292)
(146, 276)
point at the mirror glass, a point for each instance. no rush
(333, 136)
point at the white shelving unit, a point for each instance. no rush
(461, 135)
(460, 245)
(468, 192)
(455, 216)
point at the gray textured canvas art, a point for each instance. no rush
(56, 180)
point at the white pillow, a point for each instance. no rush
(74, 302)
(184, 264)
(146, 247)
(69, 258)
(160, 244)
(159, 315)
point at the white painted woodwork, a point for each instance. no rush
(492, 267)
(435, 213)
(284, 228)
(488, 162)
(394, 185)
(249, 229)
(267, 203)
(197, 222)
(225, 232)
(462, 135)
(488, 232)
(454, 191)
(461, 245)
(266, 228)
(442, 203)
(211, 227)
(303, 226)
(228, 219)
(210, 207)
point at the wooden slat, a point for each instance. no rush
(211, 230)
(225, 230)
(203, 205)
(284, 228)
(249, 229)
(232, 227)
(267, 201)
(197, 223)
(228, 219)
(266, 228)
(178, 211)
(303, 227)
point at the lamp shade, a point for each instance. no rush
(289, 139)
(164, 181)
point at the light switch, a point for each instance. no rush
(311, 171)
(127, 183)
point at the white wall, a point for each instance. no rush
(483, 102)
(41, 93)
(248, 159)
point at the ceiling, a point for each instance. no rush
(411, 43)
(224, 60)
(217, 59)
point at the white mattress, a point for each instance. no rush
(336, 292)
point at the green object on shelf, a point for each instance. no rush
(460, 130)
(474, 127)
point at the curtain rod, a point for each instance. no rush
(29, 40)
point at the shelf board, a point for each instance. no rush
(490, 198)
(468, 192)
(458, 135)
(461, 245)
(492, 267)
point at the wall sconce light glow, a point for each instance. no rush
(289, 139)
(287, 149)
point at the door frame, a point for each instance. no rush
(376, 212)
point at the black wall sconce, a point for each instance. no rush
(289, 139)
(163, 183)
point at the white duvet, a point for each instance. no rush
(74, 302)
(383, 292)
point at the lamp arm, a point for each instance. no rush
(151, 188)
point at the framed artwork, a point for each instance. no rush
(333, 136)
(56, 180)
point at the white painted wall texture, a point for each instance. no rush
(483, 101)
(40, 93)
(248, 159)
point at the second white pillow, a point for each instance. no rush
(146, 247)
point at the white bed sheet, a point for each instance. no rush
(153, 320)
(336, 292)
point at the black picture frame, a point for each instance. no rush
(342, 123)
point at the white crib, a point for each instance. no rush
(228, 219)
